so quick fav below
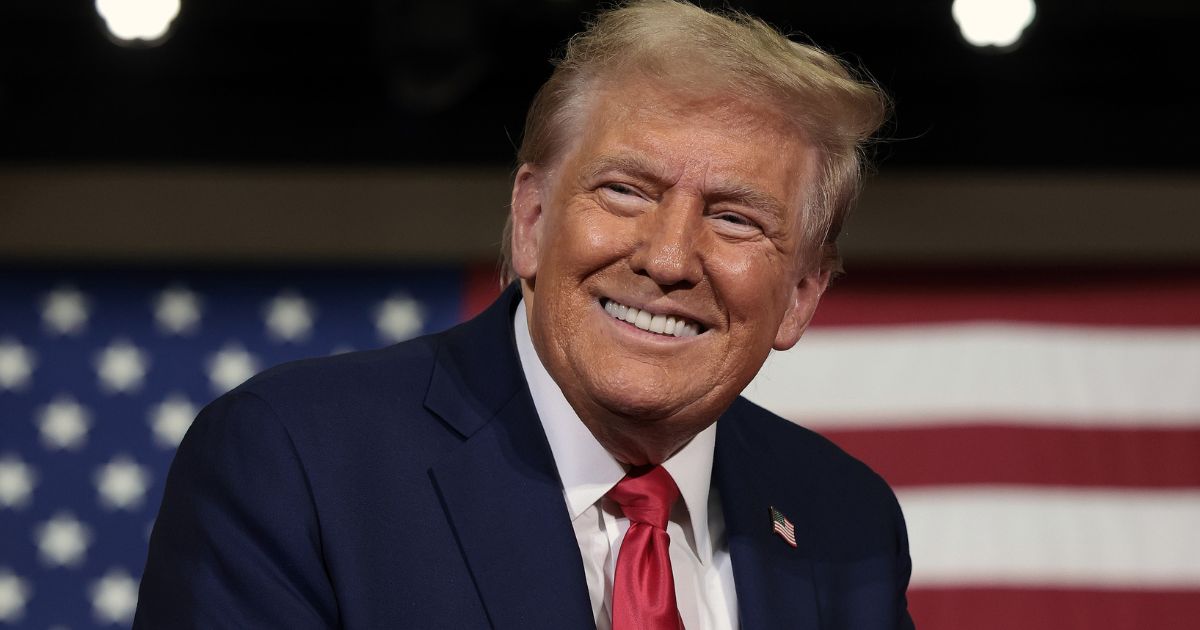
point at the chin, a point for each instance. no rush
(644, 401)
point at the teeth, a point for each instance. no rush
(661, 324)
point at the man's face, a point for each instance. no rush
(688, 210)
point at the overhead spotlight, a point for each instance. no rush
(138, 22)
(993, 24)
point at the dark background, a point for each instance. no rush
(1095, 85)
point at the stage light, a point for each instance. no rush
(994, 24)
(138, 22)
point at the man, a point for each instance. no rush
(578, 455)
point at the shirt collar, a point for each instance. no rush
(587, 470)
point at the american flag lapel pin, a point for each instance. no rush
(782, 526)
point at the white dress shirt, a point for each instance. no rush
(699, 555)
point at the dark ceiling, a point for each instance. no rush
(1095, 85)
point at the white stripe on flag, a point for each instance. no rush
(1020, 536)
(984, 372)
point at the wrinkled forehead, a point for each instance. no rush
(673, 125)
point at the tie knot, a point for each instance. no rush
(646, 495)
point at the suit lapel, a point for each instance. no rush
(500, 488)
(503, 498)
(774, 581)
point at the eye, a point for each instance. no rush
(736, 221)
(623, 199)
(621, 189)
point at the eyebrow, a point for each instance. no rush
(750, 196)
(625, 163)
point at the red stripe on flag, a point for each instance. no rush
(1028, 455)
(1053, 609)
(1111, 298)
(481, 287)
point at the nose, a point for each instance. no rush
(668, 250)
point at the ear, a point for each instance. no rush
(805, 296)
(526, 221)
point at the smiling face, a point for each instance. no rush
(661, 259)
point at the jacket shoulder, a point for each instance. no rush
(819, 453)
(363, 375)
(363, 406)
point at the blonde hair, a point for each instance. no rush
(740, 55)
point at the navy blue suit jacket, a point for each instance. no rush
(413, 487)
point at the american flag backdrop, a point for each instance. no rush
(101, 373)
(1042, 429)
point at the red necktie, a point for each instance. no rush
(644, 589)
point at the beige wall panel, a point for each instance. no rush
(382, 215)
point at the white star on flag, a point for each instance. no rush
(14, 592)
(398, 318)
(16, 364)
(177, 310)
(63, 424)
(230, 367)
(62, 541)
(121, 367)
(114, 597)
(289, 317)
(17, 480)
(170, 419)
(121, 483)
(65, 311)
